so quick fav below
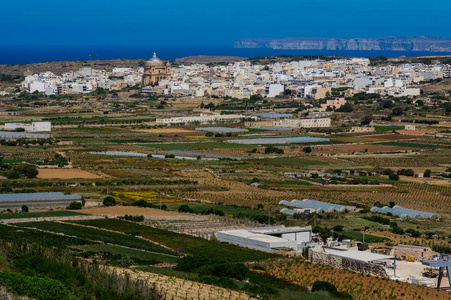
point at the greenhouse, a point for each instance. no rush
(290, 212)
(283, 140)
(405, 212)
(318, 206)
(37, 200)
(222, 129)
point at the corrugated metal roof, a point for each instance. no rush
(317, 205)
(37, 196)
(404, 212)
(358, 255)
(221, 129)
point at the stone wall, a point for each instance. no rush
(346, 263)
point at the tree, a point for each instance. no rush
(347, 107)
(391, 204)
(338, 228)
(109, 201)
(25, 208)
(398, 111)
(393, 176)
(28, 171)
(367, 120)
(75, 205)
(427, 173)
(387, 171)
(307, 149)
(185, 208)
(387, 104)
(287, 92)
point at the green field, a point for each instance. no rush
(14, 234)
(197, 146)
(100, 235)
(354, 235)
(287, 162)
(279, 182)
(184, 243)
(133, 253)
(45, 214)
(229, 210)
(410, 145)
(388, 128)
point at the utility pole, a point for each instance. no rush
(269, 215)
(364, 235)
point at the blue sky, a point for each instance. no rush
(213, 22)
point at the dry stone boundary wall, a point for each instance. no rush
(347, 263)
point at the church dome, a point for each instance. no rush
(154, 61)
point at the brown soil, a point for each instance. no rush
(65, 174)
(129, 210)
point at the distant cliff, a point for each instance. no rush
(421, 43)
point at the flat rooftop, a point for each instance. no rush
(356, 255)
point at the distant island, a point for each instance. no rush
(206, 59)
(420, 43)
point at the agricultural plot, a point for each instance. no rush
(141, 256)
(359, 286)
(228, 210)
(388, 128)
(130, 210)
(43, 214)
(398, 161)
(197, 146)
(65, 174)
(358, 236)
(18, 234)
(293, 162)
(183, 243)
(122, 239)
(410, 145)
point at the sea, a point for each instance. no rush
(34, 54)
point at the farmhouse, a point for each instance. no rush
(37, 200)
(202, 119)
(359, 129)
(268, 239)
(418, 252)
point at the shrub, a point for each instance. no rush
(259, 289)
(75, 205)
(109, 201)
(185, 208)
(393, 176)
(223, 282)
(324, 286)
(36, 287)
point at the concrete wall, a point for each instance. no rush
(347, 263)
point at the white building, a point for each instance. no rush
(268, 239)
(272, 90)
(33, 127)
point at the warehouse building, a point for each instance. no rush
(268, 239)
(37, 200)
(33, 127)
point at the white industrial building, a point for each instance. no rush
(202, 119)
(33, 127)
(268, 239)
